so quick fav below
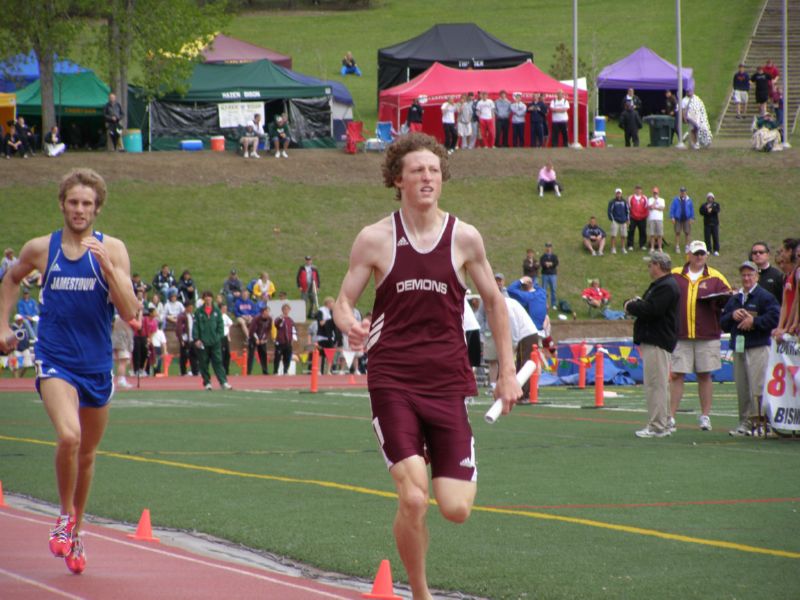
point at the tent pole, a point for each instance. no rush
(784, 45)
(149, 127)
(680, 143)
(576, 142)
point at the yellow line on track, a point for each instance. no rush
(384, 494)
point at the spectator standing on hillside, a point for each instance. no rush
(113, 115)
(671, 110)
(619, 215)
(559, 108)
(769, 277)
(704, 292)
(502, 109)
(549, 262)
(655, 332)
(681, 213)
(285, 334)
(548, 180)
(632, 99)
(465, 120)
(349, 66)
(655, 221)
(763, 83)
(538, 124)
(327, 333)
(486, 114)
(308, 284)
(710, 213)
(227, 323)
(594, 238)
(630, 122)
(696, 117)
(518, 110)
(530, 265)
(449, 110)
(637, 203)
(207, 333)
(772, 71)
(749, 316)
(415, 115)
(741, 90)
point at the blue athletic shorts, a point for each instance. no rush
(94, 389)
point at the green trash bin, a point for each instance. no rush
(661, 128)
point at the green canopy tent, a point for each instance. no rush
(79, 100)
(217, 91)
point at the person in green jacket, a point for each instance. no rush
(207, 333)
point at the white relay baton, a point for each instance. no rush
(522, 377)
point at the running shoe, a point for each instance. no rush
(705, 423)
(743, 430)
(76, 559)
(651, 433)
(61, 536)
(227, 386)
(671, 425)
(208, 387)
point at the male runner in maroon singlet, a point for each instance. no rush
(419, 374)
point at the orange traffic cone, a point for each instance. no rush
(144, 532)
(2, 500)
(351, 380)
(383, 588)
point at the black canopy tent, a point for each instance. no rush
(458, 45)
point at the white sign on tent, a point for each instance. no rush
(237, 114)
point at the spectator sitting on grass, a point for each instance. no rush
(596, 296)
(53, 146)
(548, 181)
(349, 66)
(232, 288)
(594, 238)
(164, 282)
(12, 144)
(244, 310)
(172, 309)
(187, 291)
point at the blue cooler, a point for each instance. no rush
(192, 145)
(600, 126)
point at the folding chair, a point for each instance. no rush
(385, 132)
(354, 136)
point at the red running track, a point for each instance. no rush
(123, 569)
(241, 382)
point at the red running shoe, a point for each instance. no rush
(76, 559)
(61, 536)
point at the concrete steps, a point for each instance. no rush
(766, 43)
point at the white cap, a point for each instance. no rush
(697, 246)
(17, 317)
(618, 191)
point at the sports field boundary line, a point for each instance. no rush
(39, 585)
(192, 559)
(477, 508)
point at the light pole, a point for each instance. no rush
(576, 143)
(680, 143)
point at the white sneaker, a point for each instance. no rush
(678, 248)
(277, 155)
(743, 430)
(716, 253)
(671, 425)
(255, 155)
(247, 155)
(614, 251)
(284, 155)
(558, 192)
(624, 251)
(705, 423)
(208, 387)
(227, 386)
(651, 433)
(541, 192)
(594, 253)
(123, 383)
(600, 253)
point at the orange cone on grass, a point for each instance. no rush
(382, 588)
(144, 533)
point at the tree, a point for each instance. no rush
(162, 36)
(48, 27)
(561, 67)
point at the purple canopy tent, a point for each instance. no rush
(224, 49)
(644, 71)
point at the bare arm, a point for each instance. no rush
(369, 247)
(471, 254)
(32, 256)
(112, 256)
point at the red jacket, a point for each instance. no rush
(302, 278)
(638, 207)
(699, 309)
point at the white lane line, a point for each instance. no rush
(39, 585)
(191, 560)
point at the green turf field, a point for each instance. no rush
(570, 503)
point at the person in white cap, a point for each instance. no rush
(710, 212)
(704, 292)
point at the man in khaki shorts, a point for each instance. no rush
(704, 292)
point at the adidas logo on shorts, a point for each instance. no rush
(402, 241)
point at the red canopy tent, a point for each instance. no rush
(439, 82)
(224, 49)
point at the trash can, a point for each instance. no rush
(132, 140)
(661, 127)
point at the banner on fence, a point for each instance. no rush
(782, 385)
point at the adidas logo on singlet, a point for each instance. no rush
(55, 268)
(402, 241)
(467, 462)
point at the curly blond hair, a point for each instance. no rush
(393, 163)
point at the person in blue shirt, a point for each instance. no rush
(594, 238)
(681, 211)
(29, 309)
(532, 297)
(85, 275)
